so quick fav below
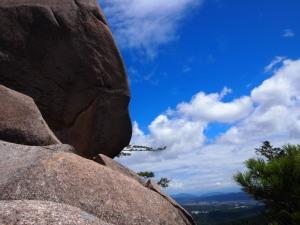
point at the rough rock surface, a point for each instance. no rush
(44, 213)
(36, 173)
(21, 122)
(114, 165)
(151, 184)
(21, 156)
(62, 54)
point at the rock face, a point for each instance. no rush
(44, 213)
(114, 165)
(37, 173)
(152, 185)
(62, 54)
(21, 122)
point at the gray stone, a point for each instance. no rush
(152, 185)
(14, 157)
(44, 213)
(21, 121)
(37, 173)
(118, 167)
(62, 54)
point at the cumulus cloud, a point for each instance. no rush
(210, 108)
(270, 112)
(277, 112)
(146, 24)
(182, 129)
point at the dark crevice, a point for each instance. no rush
(82, 111)
(99, 17)
(95, 13)
(24, 138)
(113, 92)
(55, 17)
(61, 149)
(77, 4)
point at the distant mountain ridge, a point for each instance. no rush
(184, 198)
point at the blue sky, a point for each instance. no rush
(210, 79)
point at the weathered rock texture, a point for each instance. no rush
(36, 173)
(114, 165)
(21, 122)
(151, 184)
(62, 54)
(44, 213)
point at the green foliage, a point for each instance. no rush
(269, 152)
(146, 174)
(274, 178)
(164, 182)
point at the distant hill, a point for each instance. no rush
(184, 198)
(211, 197)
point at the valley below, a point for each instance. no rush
(223, 209)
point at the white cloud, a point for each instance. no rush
(277, 60)
(270, 112)
(182, 130)
(179, 134)
(282, 88)
(146, 24)
(288, 33)
(277, 112)
(210, 108)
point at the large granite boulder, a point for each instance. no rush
(62, 54)
(152, 185)
(37, 173)
(118, 167)
(44, 213)
(21, 122)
